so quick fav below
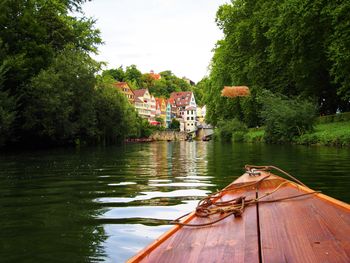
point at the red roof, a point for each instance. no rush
(190, 108)
(124, 87)
(181, 98)
(140, 92)
(121, 84)
(159, 102)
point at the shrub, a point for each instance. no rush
(227, 128)
(286, 118)
(238, 136)
(174, 125)
(254, 135)
(339, 117)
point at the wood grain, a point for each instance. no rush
(313, 228)
(232, 238)
(306, 229)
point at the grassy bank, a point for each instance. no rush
(330, 134)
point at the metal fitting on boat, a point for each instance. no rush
(253, 172)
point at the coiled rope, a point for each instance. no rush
(210, 205)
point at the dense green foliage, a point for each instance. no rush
(162, 87)
(174, 125)
(7, 110)
(199, 91)
(330, 134)
(339, 117)
(293, 47)
(49, 93)
(286, 119)
(230, 130)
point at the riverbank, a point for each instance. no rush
(328, 134)
(168, 136)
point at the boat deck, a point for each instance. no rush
(312, 228)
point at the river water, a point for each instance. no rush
(105, 204)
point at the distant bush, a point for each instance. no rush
(330, 134)
(227, 130)
(174, 125)
(286, 118)
(339, 117)
(254, 135)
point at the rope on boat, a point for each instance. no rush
(210, 206)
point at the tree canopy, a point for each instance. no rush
(293, 47)
(49, 92)
(162, 87)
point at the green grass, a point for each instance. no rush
(334, 134)
(254, 135)
(330, 134)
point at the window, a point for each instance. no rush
(192, 118)
(188, 118)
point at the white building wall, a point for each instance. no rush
(190, 119)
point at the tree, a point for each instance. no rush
(7, 109)
(160, 120)
(118, 74)
(296, 48)
(338, 42)
(133, 75)
(33, 36)
(61, 107)
(116, 118)
(286, 118)
(199, 90)
(174, 125)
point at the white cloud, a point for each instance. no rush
(176, 35)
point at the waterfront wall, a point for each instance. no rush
(168, 136)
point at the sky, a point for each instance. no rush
(176, 35)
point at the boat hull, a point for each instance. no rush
(309, 228)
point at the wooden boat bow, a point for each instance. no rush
(285, 222)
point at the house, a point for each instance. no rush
(171, 111)
(186, 108)
(143, 103)
(155, 76)
(190, 119)
(124, 88)
(182, 100)
(153, 107)
(158, 107)
(161, 109)
(168, 115)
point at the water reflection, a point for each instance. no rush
(105, 204)
(169, 183)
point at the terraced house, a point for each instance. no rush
(161, 109)
(124, 88)
(186, 109)
(143, 103)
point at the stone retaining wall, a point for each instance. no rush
(168, 136)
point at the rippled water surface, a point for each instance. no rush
(105, 204)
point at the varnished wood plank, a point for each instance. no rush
(232, 238)
(306, 229)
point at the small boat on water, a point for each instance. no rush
(260, 217)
